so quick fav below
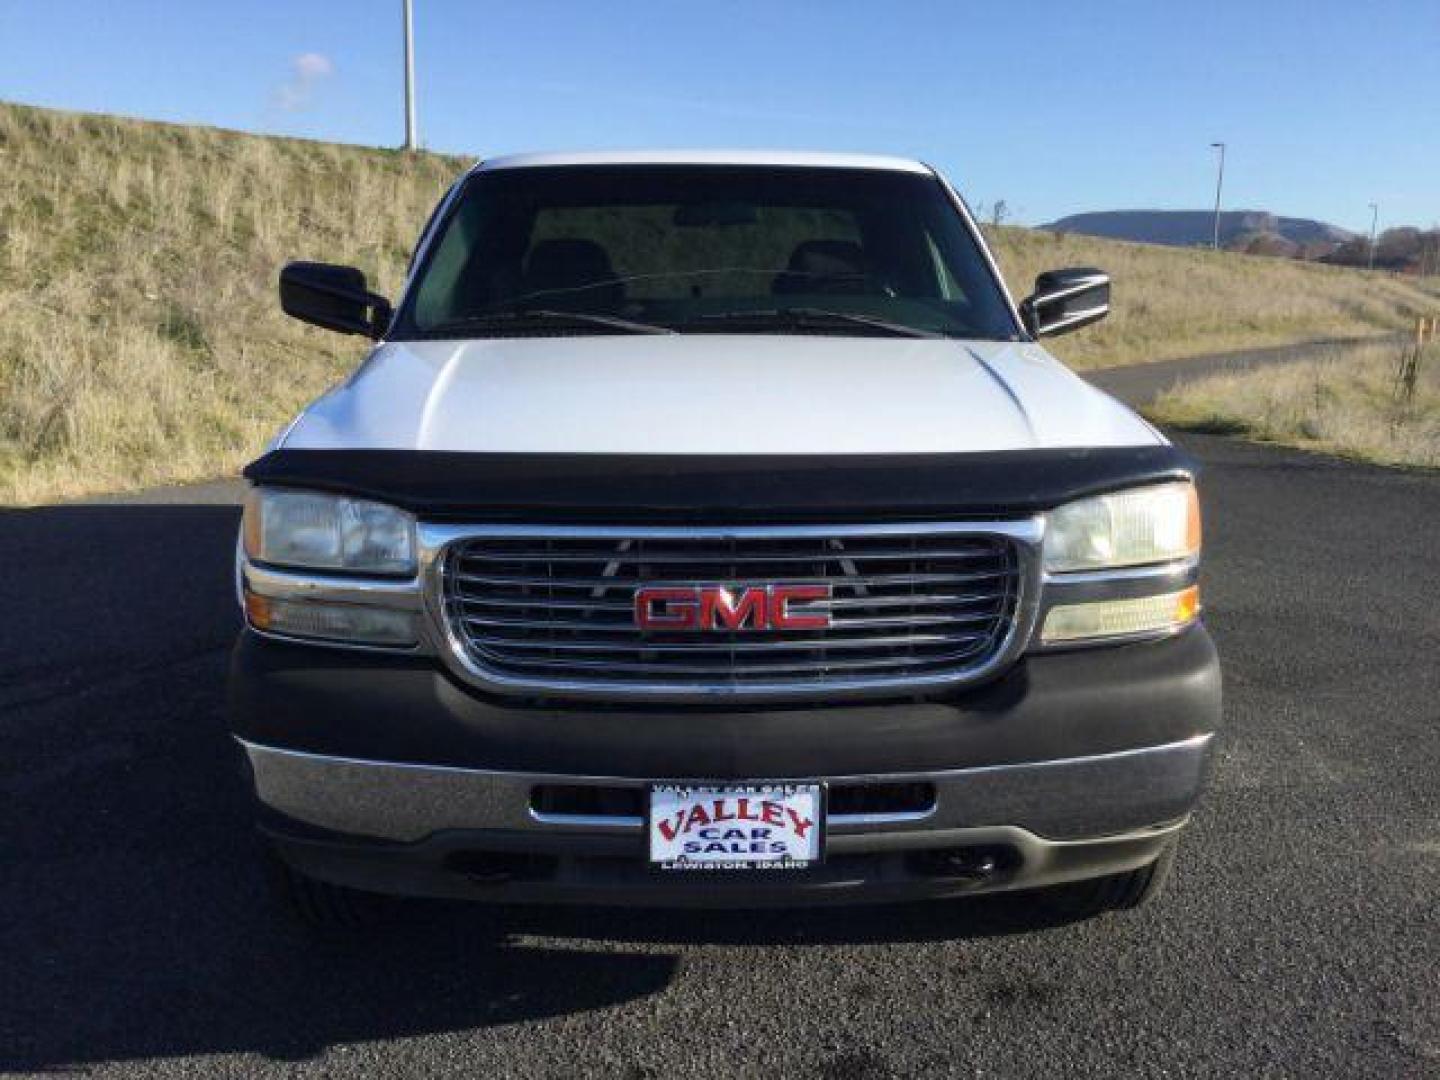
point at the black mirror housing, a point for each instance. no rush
(1066, 300)
(333, 297)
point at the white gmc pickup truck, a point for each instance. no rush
(709, 528)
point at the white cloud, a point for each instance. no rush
(307, 71)
(313, 65)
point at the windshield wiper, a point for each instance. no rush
(810, 316)
(540, 317)
(904, 329)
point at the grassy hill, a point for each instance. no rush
(1348, 402)
(141, 341)
(1170, 302)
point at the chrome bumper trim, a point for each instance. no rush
(631, 823)
(1062, 799)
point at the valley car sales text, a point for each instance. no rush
(738, 826)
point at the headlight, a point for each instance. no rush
(328, 532)
(1128, 528)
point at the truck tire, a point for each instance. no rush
(323, 906)
(1118, 892)
(1139, 887)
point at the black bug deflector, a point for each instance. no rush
(622, 488)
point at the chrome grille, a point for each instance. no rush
(553, 609)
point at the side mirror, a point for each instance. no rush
(334, 297)
(1066, 300)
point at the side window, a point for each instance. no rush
(429, 224)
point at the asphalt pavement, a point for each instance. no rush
(1300, 936)
(1139, 383)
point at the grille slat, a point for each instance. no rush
(718, 670)
(735, 644)
(672, 558)
(521, 581)
(549, 609)
(539, 600)
(848, 623)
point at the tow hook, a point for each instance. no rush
(496, 867)
(968, 864)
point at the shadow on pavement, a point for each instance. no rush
(134, 921)
(846, 924)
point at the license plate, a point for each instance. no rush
(736, 827)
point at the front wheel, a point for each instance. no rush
(323, 906)
(1118, 892)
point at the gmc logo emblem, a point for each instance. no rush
(713, 607)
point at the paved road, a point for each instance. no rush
(1301, 937)
(1140, 383)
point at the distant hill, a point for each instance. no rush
(1193, 228)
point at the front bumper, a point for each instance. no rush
(466, 833)
(382, 773)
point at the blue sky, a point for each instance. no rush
(1054, 107)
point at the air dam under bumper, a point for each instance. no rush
(1074, 765)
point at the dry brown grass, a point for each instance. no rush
(1170, 302)
(142, 344)
(1346, 403)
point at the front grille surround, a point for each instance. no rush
(557, 623)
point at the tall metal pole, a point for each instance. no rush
(1219, 185)
(1374, 220)
(411, 137)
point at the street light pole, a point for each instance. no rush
(411, 139)
(1219, 185)
(1374, 220)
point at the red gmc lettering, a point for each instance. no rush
(713, 607)
(666, 609)
(782, 618)
(718, 607)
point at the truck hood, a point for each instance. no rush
(714, 394)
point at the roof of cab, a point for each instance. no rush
(802, 158)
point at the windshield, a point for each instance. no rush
(696, 249)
